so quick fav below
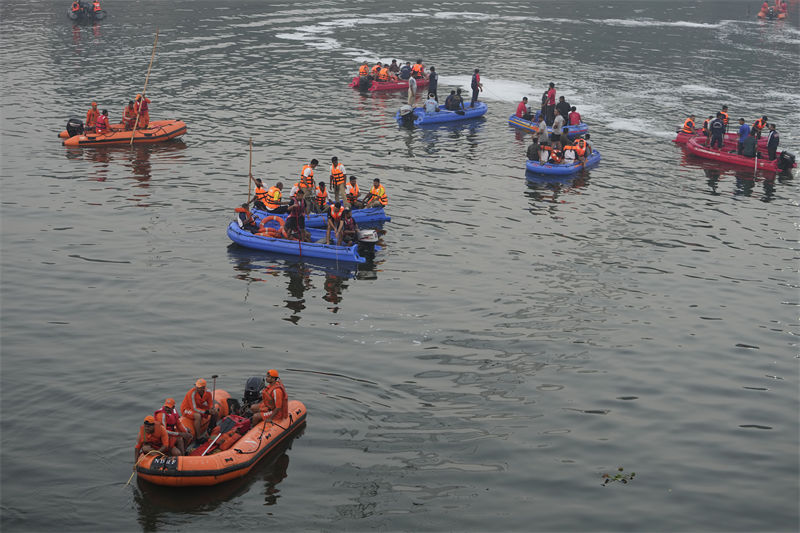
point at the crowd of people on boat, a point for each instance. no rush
(78, 7)
(163, 432)
(715, 126)
(780, 8)
(134, 115)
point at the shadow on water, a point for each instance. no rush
(155, 502)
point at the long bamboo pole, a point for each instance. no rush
(250, 172)
(144, 91)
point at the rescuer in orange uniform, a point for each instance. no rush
(198, 406)
(91, 118)
(152, 437)
(128, 116)
(142, 107)
(274, 402)
(170, 420)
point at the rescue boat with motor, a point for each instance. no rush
(727, 154)
(156, 131)
(562, 169)
(572, 131)
(365, 84)
(220, 465)
(367, 215)
(421, 118)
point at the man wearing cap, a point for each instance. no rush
(274, 402)
(170, 420)
(338, 180)
(198, 406)
(91, 118)
(152, 437)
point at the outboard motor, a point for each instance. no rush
(252, 391)
(367, 239)
(364, 83)
(74, 127)
(786, 161)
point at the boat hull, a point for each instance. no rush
(683, 138)
(157, 131)
(292, 247)
(561, 169)
(423, 119)
(389, 85)
(696, 147)
(370, 215)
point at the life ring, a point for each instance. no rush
(263, 223)
(272, 232)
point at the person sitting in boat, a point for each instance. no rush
(448, 102)
(295, 227)
(589, 148)
(260, 194)
(274, 401)
(91, 118)
(363, 70)
(394, 68)
(142, 107)
(385, 76)
(458, 102)
(321, 198)
(348, 233)
(744, 132)
(580, 146)
(128, 116)
(765, 7)
(245, 220)
(198, 406)
(405, 71)
(352, 193)
(569, 154)
(170, 420)
(750, 145)
(759, 125)
(334, 215)
(418, 70)
(545, 151)
(376, 69)
(152, 438)
(377, 195)
(101, 125)
(717, 127)
(431, 105)
(523, 111)
(273, 203)
(688, 126)
(574, 118)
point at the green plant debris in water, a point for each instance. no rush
(618, 477)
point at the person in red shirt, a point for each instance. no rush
(550, 105)
(170, 420)
(574, 117)
(152, 437)
(522, 109)
(198, 406)
(274, 402)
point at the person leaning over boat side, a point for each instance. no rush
(522, 109)
(563, 108)
(245, 220)
(363, 70)
(688, 125)
(128, 116)
(338, 180)
(574, 118)
(334, 220)
(476, 87)
(377, 195)
(348, 232)
(352, 192)
(91, 118)
(101, 125)
(744, 132)
(321, 198)
(431, 105)
(198, 406)
(152, 438)
(750, 145)
(274, 401)
(772, 142)
(170, 420)
(759, 125)
(717, 127)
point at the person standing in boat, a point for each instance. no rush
(707, 129)
(744, 132)
(296, 221)
(772, 142)
(476, 86)
(152, 438)
(433, 84)
(725, 117)
(307, 182)
(198, 406)
(759, 125)
(91, 118)
(563, 108)
(550, 104)
(170, 420)
(541, 131)
(717, 127)
(750, 145)
(274, 401)
(377, 195)
(128, 116)
(142, 106)
(559, 134)
(412, 91)
(352, 192)
(338, 180)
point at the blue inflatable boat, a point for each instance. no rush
(562, 169)
(244, 238)
(572, 131)
(421, 118)
(370, 215)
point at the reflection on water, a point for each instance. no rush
(549, 189)
(136, 158)
(155, 502)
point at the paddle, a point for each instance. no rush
(144, 91)
(211, 445)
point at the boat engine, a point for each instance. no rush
(367, 239)
(364, 83)
(252, 391)
(74, 127)
(786, 160)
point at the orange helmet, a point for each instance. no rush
(272, 373)
(149, 419)
(200, 383)
(169, 402)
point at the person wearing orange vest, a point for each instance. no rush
(338, 180)
(375, 70)
(245, 220)
(307, 182)
(259, 195)
(101, 125)
(142, 107)
(352, 192)
(198, 406)
(152, 438)
(91, 118)
(688, 125)
(418, 70)
(76, 7)
(334, 222)
(274, 402)
(273, 201)
(96, 6)
(385, 75)
(580, 146)
(725, 117)
(570, 153)
(170, 420)
(377, 195)
(128, 116)
(320, 198)
(363, 70)
(759, 125)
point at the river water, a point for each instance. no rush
(514, 341)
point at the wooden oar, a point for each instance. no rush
(144, 91)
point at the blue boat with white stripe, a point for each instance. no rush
(562, 169)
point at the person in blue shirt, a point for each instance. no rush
(744, 132)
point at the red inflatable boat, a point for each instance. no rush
(728, 155)
(388, 85)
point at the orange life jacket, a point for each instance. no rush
(556, 157)
(248, 220)
(91, 117)
(417, 70)
(363, 70)
(375, 70)
(724, 117)
(128, 114)
(261, 195)
(76, 7)
(352, 192)
(307, 181)
(580, 147)
(157, 439)
(384, 74)
(336, 214)
(275, 398)
(380, 194)
(759, 124)
(322, 197)
(101, 125)
(273, 198)
(97, 7)
(337, 176)
(688, 126)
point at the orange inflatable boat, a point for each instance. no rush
(219, 466)
(156, 131)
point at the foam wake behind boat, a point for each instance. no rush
(562, 169)
(156, 131)
(421, 118)
(370, 215)
(572, 131)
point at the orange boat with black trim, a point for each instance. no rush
(156, 131)
(220, 466)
